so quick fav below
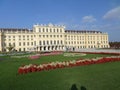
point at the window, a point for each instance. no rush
(97, 37)
(82, 37)
(57, 30)
(51, 42)
(40, 43)
(61, 42)
(43, 42)
(74, 38)
(74, 42)
(46, 29)
(39, 29)
(4, 44)
(93, 37)
(34, 43)
(4, 36)
(43, 30)
(54, 30)
(47, 42)
(23, 43)
(27, 43)
(19, 43)
(68, 37)
(31, 43)
(50, 30)
(60, 30)
(9, 44)
(19, 49)
(58, 42)
(13, 44)
(23, 49)
(54, 42)
(71, 37)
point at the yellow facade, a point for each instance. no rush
(75, 40)
(51, 38)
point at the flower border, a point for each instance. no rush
(55, 65)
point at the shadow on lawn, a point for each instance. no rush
(1, 59)
(74, 87)
(83, 88)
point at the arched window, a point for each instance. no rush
(57, 30)
(43, 42)
(57, 41)
(61, 42)
(51, 42)
(60, 30)
(43, 30)
(50, 30)
(40, 43)
(47, 42)
(46, 29)
(39, 29)
(54, 42)
(54, 30)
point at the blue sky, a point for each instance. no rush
(102, 15)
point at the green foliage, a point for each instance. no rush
(10, 48)
(92, 77)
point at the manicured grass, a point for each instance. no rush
(93, 77)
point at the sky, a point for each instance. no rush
(99, 15)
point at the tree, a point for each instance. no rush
(10, 48)
(114, 45)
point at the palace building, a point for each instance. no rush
(51, 38)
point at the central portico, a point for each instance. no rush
(49, 37)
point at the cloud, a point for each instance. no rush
(88, 19)
(110, 27)
(113, 14)
(112, 30)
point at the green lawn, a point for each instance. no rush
(93, 77)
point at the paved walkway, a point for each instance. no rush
(100, 50)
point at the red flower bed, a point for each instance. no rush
(110, 53)
(52, 53)
(54, 65)
(34, 57)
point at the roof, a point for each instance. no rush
(14, 29)
(82, 31)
